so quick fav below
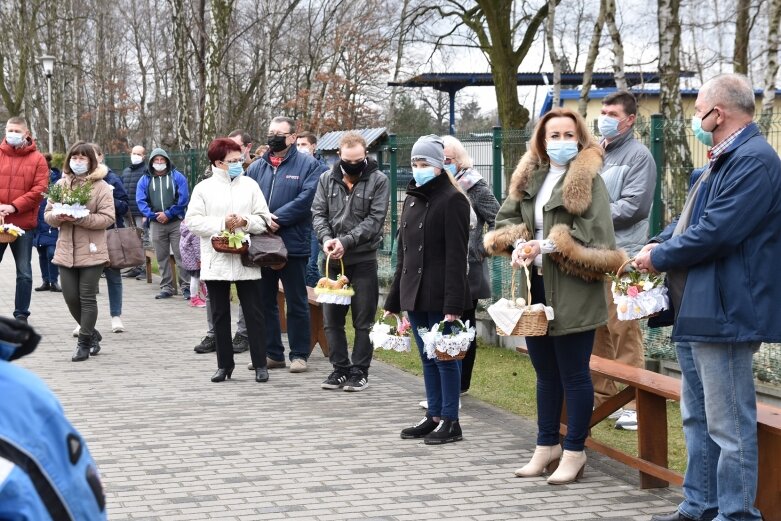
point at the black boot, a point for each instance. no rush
(44, 287)
(82, 348)
(95, 345)
(446, 432)
(420, 429)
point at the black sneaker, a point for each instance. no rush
(447, 431)
(420, 429)
(240, 343)
(186, 293)
(358, 380)
(335, 380)
(207, 345)
(132, 273)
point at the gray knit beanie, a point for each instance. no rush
(430, 149)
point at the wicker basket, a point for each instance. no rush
(6, 237)
(533, 322)
(444, 357)
(327, 291)
(220, 244)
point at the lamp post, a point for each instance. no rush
(48, 67)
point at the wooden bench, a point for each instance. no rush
(150, 254)
(316, 324)
(651, 391)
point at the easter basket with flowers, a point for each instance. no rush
(69, 201)
(447, 346)
(336, 291)
(230, 242)
(638, 295)
(391, 337)
(9, 232)
(519, 317)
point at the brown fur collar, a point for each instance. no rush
(586, 262)
(577, 181)
(502, 241)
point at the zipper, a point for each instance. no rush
(273, 180)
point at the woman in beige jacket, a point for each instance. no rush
(81, 251)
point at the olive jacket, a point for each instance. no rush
(577, 219)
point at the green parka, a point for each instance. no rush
(577, 219)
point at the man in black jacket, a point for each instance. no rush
(130, 177)
(349, 210)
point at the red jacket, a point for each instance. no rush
(24, 176)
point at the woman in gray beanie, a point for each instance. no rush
(430, 282)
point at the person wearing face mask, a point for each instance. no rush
(288, 180)
(719, 257)
(162, 195)
(629, 172)
(556, 220)
(229, 200)
(81, 251)
(131, 175)
(24, 176)
(348, 215)
(430, 282)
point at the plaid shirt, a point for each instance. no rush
(715, 152)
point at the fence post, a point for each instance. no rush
(496, 167)
(393, 159)
(657, 151)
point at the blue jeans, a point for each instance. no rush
(293, 277)
(114, 283)
(719, 412)
(442, 378)
(312, 270)
(49, 272)
(22, 249)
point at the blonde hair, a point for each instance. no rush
(351, 139)
(537, 143)
(462, 157)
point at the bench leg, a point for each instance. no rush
(317, 329)
(652, 435)
(769, 491)
(282, 315)
(148, 269)
(174, 275)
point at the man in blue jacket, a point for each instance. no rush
(719, 257)
(131, 175)
(162, 196)
(288, 180)
(46, 470)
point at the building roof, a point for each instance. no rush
(329, 141)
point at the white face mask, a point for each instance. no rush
(79, 167)
(159, 166)
(136, 159)
(14, 138)
(303, 149)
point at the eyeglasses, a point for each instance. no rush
(281, 134)
(234, 161)
(449, 160)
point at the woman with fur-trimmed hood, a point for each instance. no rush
(81, 251)
(556, 219)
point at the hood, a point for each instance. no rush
(21, 151)
(576, 193)
(17, 339)
(158, 152)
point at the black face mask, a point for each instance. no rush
(277, 143)
(352, 169)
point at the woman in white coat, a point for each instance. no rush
(230, 201)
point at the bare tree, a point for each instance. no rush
(554, 58)
(740, 52)
(618, 46)
(591, 59)
(771, 64)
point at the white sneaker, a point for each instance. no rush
(616, 415)
(116, 325)
(76, 332)
(424, 404)
(297, 365)
(627, 421)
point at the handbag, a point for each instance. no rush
(266, 250)
(125, 247)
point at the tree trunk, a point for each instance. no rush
(399, 57)
(771, 65)
(740, 53)
(618, 46)
(181, 77)
(221, 13)
(593, 51)
(677, 160)
(554, 59)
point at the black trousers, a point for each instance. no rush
(249, 297)
(469, 360)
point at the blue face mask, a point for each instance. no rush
(451, 168)
(562, 152)
(705, 137)
(78, 168)
(235, 169)
(608, 126)
(423, 175)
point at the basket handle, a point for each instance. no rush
(327, 259)
(620, 269)
(528, 285)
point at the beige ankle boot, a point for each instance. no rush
(545, 458)
(570, 468)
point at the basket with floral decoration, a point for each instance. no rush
(447, 346)
(9, 232)
(330, 291)
(638, 295)
(230, 242)
(518, 316)
(69, 201)
(389, 336)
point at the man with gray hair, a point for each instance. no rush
(718, 256)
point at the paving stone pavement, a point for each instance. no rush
(171, 445)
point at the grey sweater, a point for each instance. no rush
(629, 172)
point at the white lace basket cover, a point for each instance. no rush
(453, 343)
(381, 337)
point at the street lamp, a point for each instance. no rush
(48, 67)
